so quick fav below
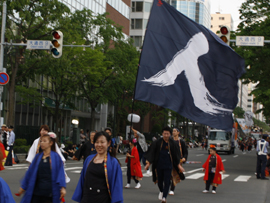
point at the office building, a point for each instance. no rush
(218, 20)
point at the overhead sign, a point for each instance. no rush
(38, 44)
(250, 41)
(4, 78)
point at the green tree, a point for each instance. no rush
(26, 20)
(256, 22)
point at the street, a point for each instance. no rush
(239, 184)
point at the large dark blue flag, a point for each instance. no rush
(186, 68)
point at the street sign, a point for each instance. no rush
(250, 41)
(38, 44)
(4, 78)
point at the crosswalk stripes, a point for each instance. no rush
(194, 174)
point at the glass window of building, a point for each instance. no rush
(137, 41)
(137, 6)
(147, 6)
(221, 18)
(136, 23)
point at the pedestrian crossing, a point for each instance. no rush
(194, 174)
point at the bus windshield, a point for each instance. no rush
(219, 135)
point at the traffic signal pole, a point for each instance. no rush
(4, 16)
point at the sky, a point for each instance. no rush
(227, 7)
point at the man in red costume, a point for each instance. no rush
(133, 165)
(213, 168)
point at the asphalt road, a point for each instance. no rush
(239, 184)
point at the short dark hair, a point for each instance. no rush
(167, 128)
(264, 136)
(108, 128)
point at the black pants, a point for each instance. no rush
(129, 176)
(9, 157)
(164, 180)
(209, 181)
(41, 199)
(172, 186)
(261, 163)
(142, 158)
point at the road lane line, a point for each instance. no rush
(192, 171)
(242, 178)
(224, 160)
(235, 156)
(199, 154)
(15, 168)
(195, 176)
(75, 171)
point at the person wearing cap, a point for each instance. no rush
(10, 142)
(261, 149)
(213, 168)
(134, 170)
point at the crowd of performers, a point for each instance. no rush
(246, 145)
(101, 177)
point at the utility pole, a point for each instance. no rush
(4, 14)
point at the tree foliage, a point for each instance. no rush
(255, 16)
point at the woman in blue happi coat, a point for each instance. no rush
(45, 179)
(101, 176)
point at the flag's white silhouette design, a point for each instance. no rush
(187, 60)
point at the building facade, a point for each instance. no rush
(218, 20)
(197, 10)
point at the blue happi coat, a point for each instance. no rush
(114, 178)
(5, 193)
(58, 177)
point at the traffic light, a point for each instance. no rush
(225, 34)
(57, 44)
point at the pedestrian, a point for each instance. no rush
(213, 168)
(109, 131)
(267, 168)
(164, 155)
(101, 176)
(134, 170)
(44, 181)
(141, 146)
(2, 156)
(86, 149)
(10, 143)
(82, 137)
(35, 148)
(262, 146)
(183, 154)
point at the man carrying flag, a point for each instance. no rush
(188, 69)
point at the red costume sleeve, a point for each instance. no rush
(135, 166)
(219, 168)
(206, 167)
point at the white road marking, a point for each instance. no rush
(224, 176)
(242, 178)
(15, 168)
(75, 171)
(192, 171)
(235, 156)
(244, 152)
(195, 176)
(224, 160)
(72, 168)
(199, 154)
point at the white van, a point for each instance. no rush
(222, 140)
